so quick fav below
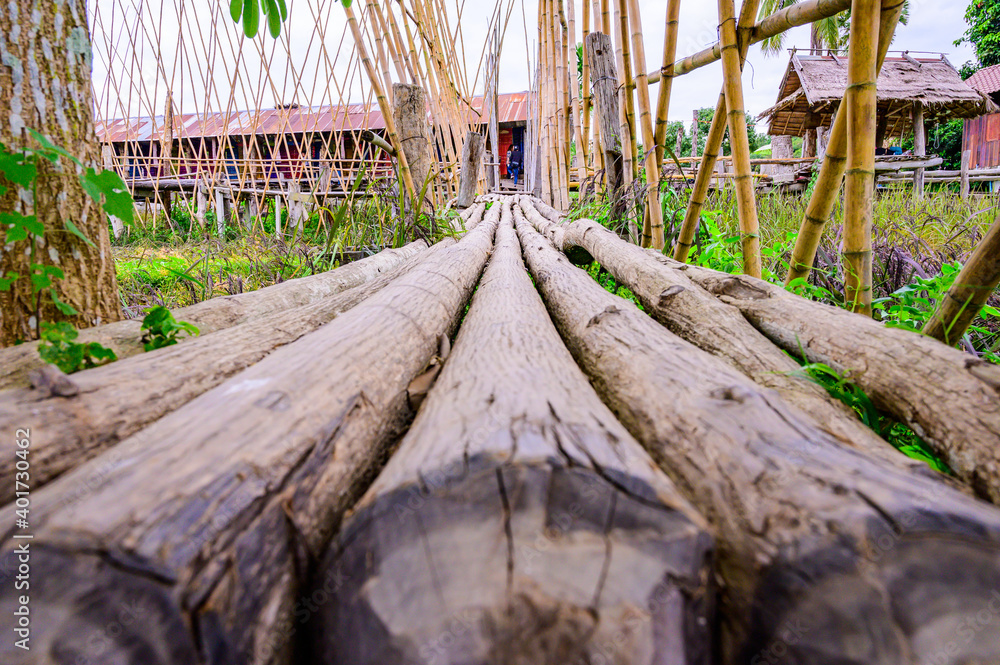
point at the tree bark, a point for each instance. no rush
(125, 337)
(45, 63)
(949, 398)
(696, 315)
(601, 54)
(230, 496)
(409, 109)
(831, 554)
(472, 160)
(110, 403)
(492, 493)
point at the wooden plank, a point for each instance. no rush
(208, 518)
(519, 508)
(125, 337)
(864, 562)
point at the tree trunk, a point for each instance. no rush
(45, 85)
(230, 496)
(472, 161)
(125, 337)
(110, 403)
(491, 494)
(409, 110)
(696, 315)
(829, 553)
(949, 398)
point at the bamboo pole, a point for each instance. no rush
(746, 203)
(713, 146)
(666, 82)
(974, 285)
(653, 236)
(859, 180)
(586, 102)
(801, 13)
(828, 181)
(565, 109)
(581, 142)
(919, 148)
(628, 81)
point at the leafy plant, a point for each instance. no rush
(20, 167)
(58, 348)
(161, 329)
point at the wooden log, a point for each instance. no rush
(519, 508)
(472, 158)
(601, 53)
(95, 409)
(210, 517)
(812, 537)
(974, 285)
(949, 398)
(125, 337)
(697, 316)
(409, 110)
(919, 148)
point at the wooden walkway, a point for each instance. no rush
(474, 453)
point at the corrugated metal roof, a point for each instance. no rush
(512, 107)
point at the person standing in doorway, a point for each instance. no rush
(514, 163)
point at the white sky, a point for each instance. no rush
(212, 79)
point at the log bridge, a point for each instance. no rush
(474, 453)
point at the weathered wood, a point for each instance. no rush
(694, 314)
(519, 508)
(974, 285)
(208, 519)
(125, 337)
(964, 174)
(601, 53)
(865, 563)
(472, 158)
(112, 402)
(409, 110)
(949, 398)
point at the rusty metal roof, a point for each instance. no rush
(512, 107)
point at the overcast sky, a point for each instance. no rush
(210, 78)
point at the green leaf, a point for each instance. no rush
(236, 10)
(18, 167)
(65, 308)
(117, 199)
(16, 234)
(72, 228)
(8, 281)
(273, 18)
(251, 18)
(100, 354)
(50, 151)
(284, 10)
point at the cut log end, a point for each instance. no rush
(518, 564)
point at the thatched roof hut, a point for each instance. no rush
(814, 85)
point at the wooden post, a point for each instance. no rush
(745, 198)
(974, 285)
(220, 212)
(277, 215)
(694, 133)
(107, 154)
(860, 100)
(966, 158)
(919, 148)
(472, 158)
(201, 200)
(828, 182)
(602, 62)
(409, 111)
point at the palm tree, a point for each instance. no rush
(830, 33)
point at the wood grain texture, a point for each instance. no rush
(836, 556)
(208, 518)
(948, 397)
(696, 315)
(125, 337)
(518, 522)
(117, 400)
